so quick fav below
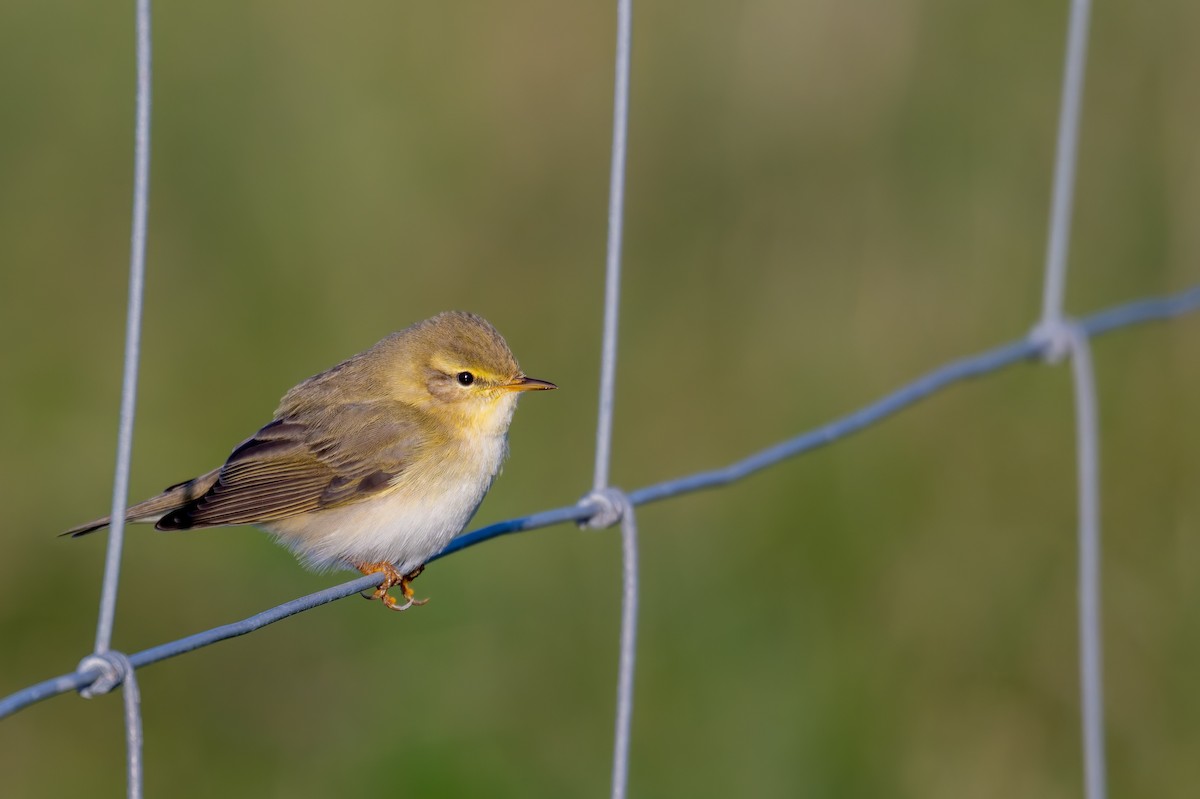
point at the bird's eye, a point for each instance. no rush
(465, 378)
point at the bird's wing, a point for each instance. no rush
(307, 463)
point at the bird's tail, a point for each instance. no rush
(155, 508)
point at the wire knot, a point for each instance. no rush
(608, 505)
(114, 669)
(1057, 338)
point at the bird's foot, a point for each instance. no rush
(392, 578)
(407, 591)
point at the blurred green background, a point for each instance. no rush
(825, 200)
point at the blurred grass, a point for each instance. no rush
(824, 201)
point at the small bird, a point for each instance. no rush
(374, 464)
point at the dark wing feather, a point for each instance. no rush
(307, 463)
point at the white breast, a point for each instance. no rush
(427, 506)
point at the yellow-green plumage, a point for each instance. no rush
(382, 458)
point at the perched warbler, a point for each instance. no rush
(374, 464)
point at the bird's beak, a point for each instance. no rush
(523, 383)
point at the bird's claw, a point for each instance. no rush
(391, 603)
(392, 578)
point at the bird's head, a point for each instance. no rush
(458, 368)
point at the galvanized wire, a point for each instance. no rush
(115, 669)
(1065, 160)
(613, 506)
(122, 671)
(1066, 339)
(604, 415)
(1091, 683)
(1021, 350)
(628, 653)
(133, 332)
(612, 265)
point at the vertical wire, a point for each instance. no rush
(1090, 669)
(133, 327)
(608, 369)
(1052, 324)
(625, 667)
(616, 212)
(133, 732)
(1065, 160)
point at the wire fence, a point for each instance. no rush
(1054, 337)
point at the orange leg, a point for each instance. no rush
(392, 578)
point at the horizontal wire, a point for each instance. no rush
(1136, 312)
(82, 679)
